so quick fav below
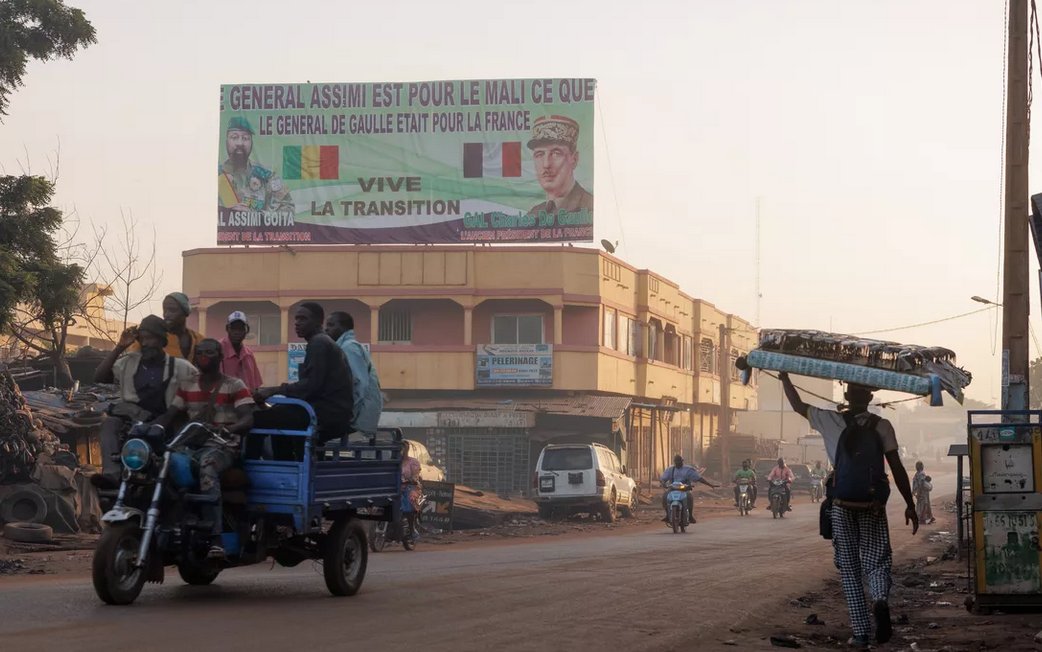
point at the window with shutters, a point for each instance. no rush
(688, 354)
(610, 321)
(265, 329)
(395, 325)
(707, 356)
(517, 329)
(735, 374)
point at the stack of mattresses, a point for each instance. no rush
(921, 370)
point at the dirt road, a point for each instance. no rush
(641, 590)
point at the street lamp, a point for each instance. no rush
(986, 302)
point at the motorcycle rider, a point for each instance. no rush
(681, 472)
(221, 401)
(148, 379)
(782, 472)
(745, 473)
(819, 473)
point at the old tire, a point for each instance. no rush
(28, 532)
(116, 581)
(197, 573)
(378, 536)
(345, 555)
(23, 507)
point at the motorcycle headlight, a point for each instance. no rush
(136, 454)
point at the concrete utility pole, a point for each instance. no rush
(725, 400)
(1015, 292)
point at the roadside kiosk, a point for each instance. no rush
(1005, 448)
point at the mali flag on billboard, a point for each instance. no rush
(311, 162)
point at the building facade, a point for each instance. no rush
(489, 353)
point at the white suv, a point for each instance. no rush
(583, 478)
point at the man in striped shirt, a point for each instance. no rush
(222, 402)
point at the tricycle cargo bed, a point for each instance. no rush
(336, 484)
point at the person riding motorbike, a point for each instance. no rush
(148, 379)
(225, 403)
(782, 472)
(819, 473)
(680, 472)
(747, 474)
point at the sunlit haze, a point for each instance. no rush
(869, 130)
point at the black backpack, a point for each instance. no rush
(860, 475)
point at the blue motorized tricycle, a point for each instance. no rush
(289, 510)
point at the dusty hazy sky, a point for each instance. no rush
(871, 130)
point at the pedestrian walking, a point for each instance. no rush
(857, 442)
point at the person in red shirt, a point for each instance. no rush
(225, 403)
(237, 359)
(782, 472)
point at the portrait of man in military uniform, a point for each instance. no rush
(553, 144)
(255, 187)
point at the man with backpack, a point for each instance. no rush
(857, 443)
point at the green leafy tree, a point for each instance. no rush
(28, 226)
(37, 29)
(35, 278)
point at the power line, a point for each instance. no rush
(926, 323)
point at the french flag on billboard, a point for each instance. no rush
(491, 160)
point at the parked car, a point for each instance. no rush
(571, 478)
(763, 468)
(428, 469)
(802, 473)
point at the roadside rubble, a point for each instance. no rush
(927, 607)
(41, 480)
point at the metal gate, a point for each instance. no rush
(495, 460)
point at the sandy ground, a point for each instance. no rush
(632, 586)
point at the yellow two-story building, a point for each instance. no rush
(488, 353)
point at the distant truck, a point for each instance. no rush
(806, 450)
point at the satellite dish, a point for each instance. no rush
(609, 247)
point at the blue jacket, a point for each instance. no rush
(369, 402)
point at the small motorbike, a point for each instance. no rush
(676, 498)
(778, 498)
(817, 490)
(745, 497)
(381, 535)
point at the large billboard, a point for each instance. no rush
(499, 160)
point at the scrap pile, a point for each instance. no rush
(886, 365)
(22, 438)
(41, 480)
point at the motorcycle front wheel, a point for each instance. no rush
(674, 518)
(116, 580)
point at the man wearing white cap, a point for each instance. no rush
(238, 361)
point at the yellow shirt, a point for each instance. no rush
(173, 344)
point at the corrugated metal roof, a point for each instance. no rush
(604, 407)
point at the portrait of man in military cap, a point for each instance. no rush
(554, 148)
(255, 187)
